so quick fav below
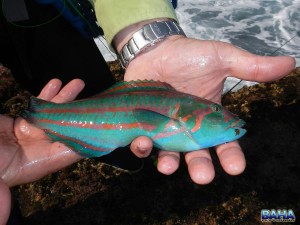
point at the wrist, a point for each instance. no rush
(125, 34)
(143, 36)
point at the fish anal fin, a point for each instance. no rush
(78, 146)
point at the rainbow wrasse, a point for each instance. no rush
(175, 121)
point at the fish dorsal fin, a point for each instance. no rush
(138, 85)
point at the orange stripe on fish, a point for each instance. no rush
(104, 126)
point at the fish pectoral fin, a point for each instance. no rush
(153, 121)
(186, 131)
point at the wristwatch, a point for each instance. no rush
(147, 36)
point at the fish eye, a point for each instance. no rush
(216, 108)
(237, 132)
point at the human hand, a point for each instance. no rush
(200, 68)
(26, 153)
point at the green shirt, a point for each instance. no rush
(114, 15)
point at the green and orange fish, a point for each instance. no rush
(175, 121)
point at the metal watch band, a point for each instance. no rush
(148, 36)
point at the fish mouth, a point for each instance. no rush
(237, 123)
(237, 126)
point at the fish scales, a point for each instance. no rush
(174, 120)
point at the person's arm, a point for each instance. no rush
(119, 19)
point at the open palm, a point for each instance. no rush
(27, 154)
(200, 68)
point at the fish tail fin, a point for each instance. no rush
(35, 105)
(27, 115)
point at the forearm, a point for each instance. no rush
(119, 19)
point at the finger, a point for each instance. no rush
(247, 66)
(5, 199)
(50, 90)
(168, 162)
(141, 146)
(69, 92)
(231, 158)
(200, 166)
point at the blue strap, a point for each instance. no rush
(174, 3)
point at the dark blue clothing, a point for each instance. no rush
(53, 50)
(79, 13)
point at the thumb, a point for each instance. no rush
(5, 199)
(247, 66)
